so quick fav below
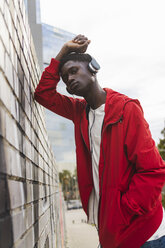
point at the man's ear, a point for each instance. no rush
(93, 77)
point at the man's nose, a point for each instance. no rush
(71, 78)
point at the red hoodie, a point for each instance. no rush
(131, 171)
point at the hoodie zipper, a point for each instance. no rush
(102, 133)
(83, 136)
(120, 120)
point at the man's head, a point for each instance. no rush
(78, 71)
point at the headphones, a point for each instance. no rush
(93, 66)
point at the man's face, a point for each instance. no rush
(77, 77)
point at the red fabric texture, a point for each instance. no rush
(131, 171)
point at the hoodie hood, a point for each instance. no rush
(114, 106)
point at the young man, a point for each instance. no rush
(120, 171)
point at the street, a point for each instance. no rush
(79, 233)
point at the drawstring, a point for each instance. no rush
(99, 246)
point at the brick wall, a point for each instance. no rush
(30, 213)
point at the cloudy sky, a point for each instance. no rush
(128, 39)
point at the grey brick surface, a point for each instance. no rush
(29, 198)
(3, 196)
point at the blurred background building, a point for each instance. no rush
(48, 40)
(60, 130)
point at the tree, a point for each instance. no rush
(65, 180)
(161, 145)
(161, 148)
(69, 185)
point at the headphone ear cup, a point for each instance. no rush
(91, 69)
(93, 66)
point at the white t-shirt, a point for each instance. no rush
(96, 118)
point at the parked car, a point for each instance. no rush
(73, 204)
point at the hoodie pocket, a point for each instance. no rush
(111, 216)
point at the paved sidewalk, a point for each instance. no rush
(79, 233)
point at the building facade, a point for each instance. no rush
(60, 130)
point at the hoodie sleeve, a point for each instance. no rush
(47, 95)
(145, 188)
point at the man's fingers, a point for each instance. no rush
(80, 39)
(79, 36)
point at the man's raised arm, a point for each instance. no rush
(46, 93)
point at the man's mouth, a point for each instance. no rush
(73, 85)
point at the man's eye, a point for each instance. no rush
(74, 71)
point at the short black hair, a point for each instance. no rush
(83, 57)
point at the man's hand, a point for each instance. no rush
(79, 44)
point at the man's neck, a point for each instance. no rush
(97, 98)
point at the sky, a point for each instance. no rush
(128, 40)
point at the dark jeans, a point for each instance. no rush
(158, 243)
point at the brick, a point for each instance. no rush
(19, 224)
(40, 162)
(28, 128)
(2, 52)
(13, 107)
(11, 131)
(6, 237)
(5, 91)
(12, 52)
(3, 196)
(20, 140)
(23, 167)
(23, 99)
(2, 121)
(16, 193)
(35, 173)
(28, 108)
(29, 172)
(2, 5)
(9, 70)
(20, 4)
(36, 191)
(27, 89)
(17, 44)
(28, 149)
(27, 240)
(36, 157)
(24, 15)
(3, 163)
(4, 33)
(40, 175)
(42, 222)
(13, 161)
(29, 216)
(15, 110)
(13, 13)
(8, 18)
(19, 32)
(22, 117)
(29, 192)
(43, 239)
(16, 83)
(20, 73)
(32, 153)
